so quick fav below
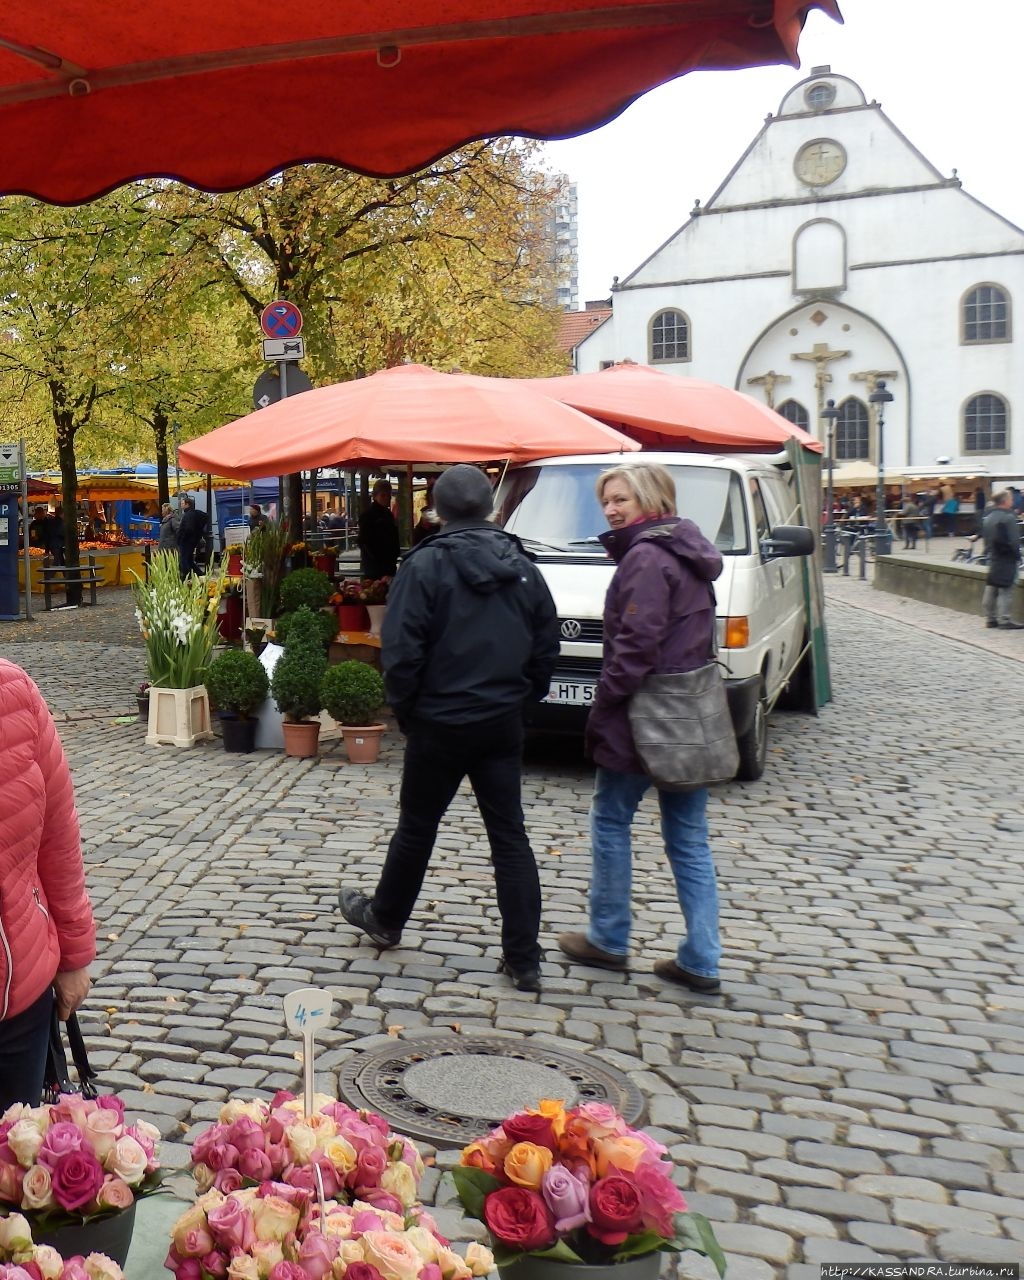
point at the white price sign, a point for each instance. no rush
(306, 1011)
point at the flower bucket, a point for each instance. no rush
(112, 1236)
(239, 735)
(325, 563)
(376, 612)
(178, 717)
(528, 1267)
(235, 564)
(353, 617)
(362, 742)
(301, 738)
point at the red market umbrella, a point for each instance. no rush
(662, 410)
(409, 414)
(37, 488)
(93, 94)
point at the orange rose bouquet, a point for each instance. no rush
(578, 1186)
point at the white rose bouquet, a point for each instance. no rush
(75, 1160)
(20, 1258)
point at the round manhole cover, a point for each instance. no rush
(449, 1090)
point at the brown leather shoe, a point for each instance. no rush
(671, 972)
(577, 946)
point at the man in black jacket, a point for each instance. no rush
(1002, 544)
(191, 531)
(379, 543)
(469, 636)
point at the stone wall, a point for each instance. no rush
(953, 586)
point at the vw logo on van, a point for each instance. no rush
(571, 629)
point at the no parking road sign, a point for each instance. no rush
(281, 320)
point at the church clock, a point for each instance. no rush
(819, 163)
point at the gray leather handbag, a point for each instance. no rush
(683, 731)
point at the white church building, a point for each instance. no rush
(832, 255)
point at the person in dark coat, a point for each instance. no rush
(1001, 532)
(378, 535)
(659, 617)
(191, 531)
(470, 635)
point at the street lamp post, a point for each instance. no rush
(830, 413)
(880, 397)
(176, 433)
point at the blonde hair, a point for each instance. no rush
(650, 484)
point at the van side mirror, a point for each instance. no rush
(788, 540)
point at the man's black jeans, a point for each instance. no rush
(24, 1040)
(437, 758)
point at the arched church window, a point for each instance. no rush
(986, 422)
(669, 337)
(852, 432)
(985, 314)
(793, 411)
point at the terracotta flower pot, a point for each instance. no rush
(301, 738)
(362, 742)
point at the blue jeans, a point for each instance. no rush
(684, 829)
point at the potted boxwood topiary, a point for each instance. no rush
(309, 587)
(353, 694)
(327, 627)
(295, 683)
(237, 683)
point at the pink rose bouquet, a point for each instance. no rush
(357, 1155)
(75, 1159)
(20, 1259)
(277, 1232)
(578, 1186)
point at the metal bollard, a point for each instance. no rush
(862, 549)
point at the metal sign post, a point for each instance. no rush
(12, 484)
(24, 530)
(281, 322)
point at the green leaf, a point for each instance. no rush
(474, 1186)
(560, 1252)
(695, 1233)
(636, 1246)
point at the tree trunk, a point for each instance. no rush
(69, 494)
(293, 506)
(160, 424)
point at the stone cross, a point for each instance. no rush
(822, 357)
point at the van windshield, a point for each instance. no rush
(557, 505)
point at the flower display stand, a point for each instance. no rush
(178, 717)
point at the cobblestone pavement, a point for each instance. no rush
(857, 1093)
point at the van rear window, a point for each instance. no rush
(558, 505)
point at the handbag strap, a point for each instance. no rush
(57, 1079)
(87, 1077)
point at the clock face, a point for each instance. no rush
(819, 163)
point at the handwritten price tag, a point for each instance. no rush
(305, 1012)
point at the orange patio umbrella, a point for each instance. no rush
(93, 94)
(665, 411)
(409, 414)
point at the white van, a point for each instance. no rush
(747, 506)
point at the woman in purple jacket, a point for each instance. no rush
(659, 617)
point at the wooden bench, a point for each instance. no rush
(67, 576)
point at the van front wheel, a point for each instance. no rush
(753, 745)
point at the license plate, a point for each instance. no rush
(571, 693)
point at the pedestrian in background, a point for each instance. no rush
(191, 531)
(168, 528)
(378, 535)
(46, 922)
(1002, 545)
(256, 517)
(659, 617)
(910, 516)
(470, 635)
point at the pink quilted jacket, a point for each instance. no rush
(46, 923)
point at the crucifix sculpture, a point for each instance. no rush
(768, 381)
(821, 356)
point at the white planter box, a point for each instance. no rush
(178, 717)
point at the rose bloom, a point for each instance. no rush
(451, 1266)
(232, 1224)
(15, 1234)
(623, 1153)
(128, 1161)
(75, 1179)
(36, 1190)
(602, 1119)
(114, 1194)
(214, 1263)
(341, 1153)
(191, 1221)
(614, 1210)
(235, 1107)
(243, 1267)
(425, 1244)
(526, 1164)
(568, 1198)
(660, 1198)
(316, 1253)
(102, 1129)
(302, 1142)
(362, 1271)
(519, 1218)
(70, 1108)
(477, 1156)
(288, 1271)
(398, 1180)
(370, 1164)
(254, 1164)
(535, 1129)
(24, 1139)
(11, 1179)
(245, 1134)
(110, 1102)
(60, 1140)
(479, 1259)
(267, 1253)
(351, 1251)
(49, 1262)
(99, 1267)
(554, 1109)
(394, 1256)
(274, 1217)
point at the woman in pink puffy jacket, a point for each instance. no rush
(47, 934)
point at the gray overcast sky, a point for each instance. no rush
(948, 75)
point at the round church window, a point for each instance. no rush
(820, 96)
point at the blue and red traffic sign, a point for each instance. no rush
(281, 320)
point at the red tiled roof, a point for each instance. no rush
(577, 325)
